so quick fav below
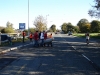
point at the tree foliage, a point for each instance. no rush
(1, 28)
(9, 28)
(84, 25)
(70, 27)
(64, 27)
(95, 11)
(67, 27)
(40, 23)
(95, 26)
(53, 28)
(32, 30)
(76, 29)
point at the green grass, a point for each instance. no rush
(79, 34)
(92, 35)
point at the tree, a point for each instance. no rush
(95, 11)
(64, 27)
(40, 23)
(95, 26)
(86, 28)
(76, 28)
(83, 23)
(1, 28)
(32, 30)
(70, 27)
(53, 28)
(9, 28)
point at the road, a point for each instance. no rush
(66, 57)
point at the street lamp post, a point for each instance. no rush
(28, 17)
(46, 20)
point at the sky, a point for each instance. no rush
(56, 11)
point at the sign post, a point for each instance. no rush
(22, 26)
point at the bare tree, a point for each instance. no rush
(40, 23)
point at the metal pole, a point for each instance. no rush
(28, 17)
(46, 20)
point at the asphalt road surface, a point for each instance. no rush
(68, 56)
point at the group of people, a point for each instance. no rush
(39, 36)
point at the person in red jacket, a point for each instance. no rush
(23, 33)
(45, 35)
(36, 38)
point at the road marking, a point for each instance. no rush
(82, 54)
(73, 47)
(87, 58)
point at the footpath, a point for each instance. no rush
(18, 45)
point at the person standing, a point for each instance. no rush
(50, 36)
(36, 38)
(45, 37)
(87, 37)
(42, 38)
(31, 37)
(39, 34)
(23, 33)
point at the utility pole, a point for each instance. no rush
(28, 17)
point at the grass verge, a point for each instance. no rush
(92, 35)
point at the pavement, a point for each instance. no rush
(13, 47)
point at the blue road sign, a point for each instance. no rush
(21, 25)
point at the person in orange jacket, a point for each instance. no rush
(50, 36)
(31, 37)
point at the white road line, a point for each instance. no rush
(73, 47)
(86, 58)
(82, 54)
